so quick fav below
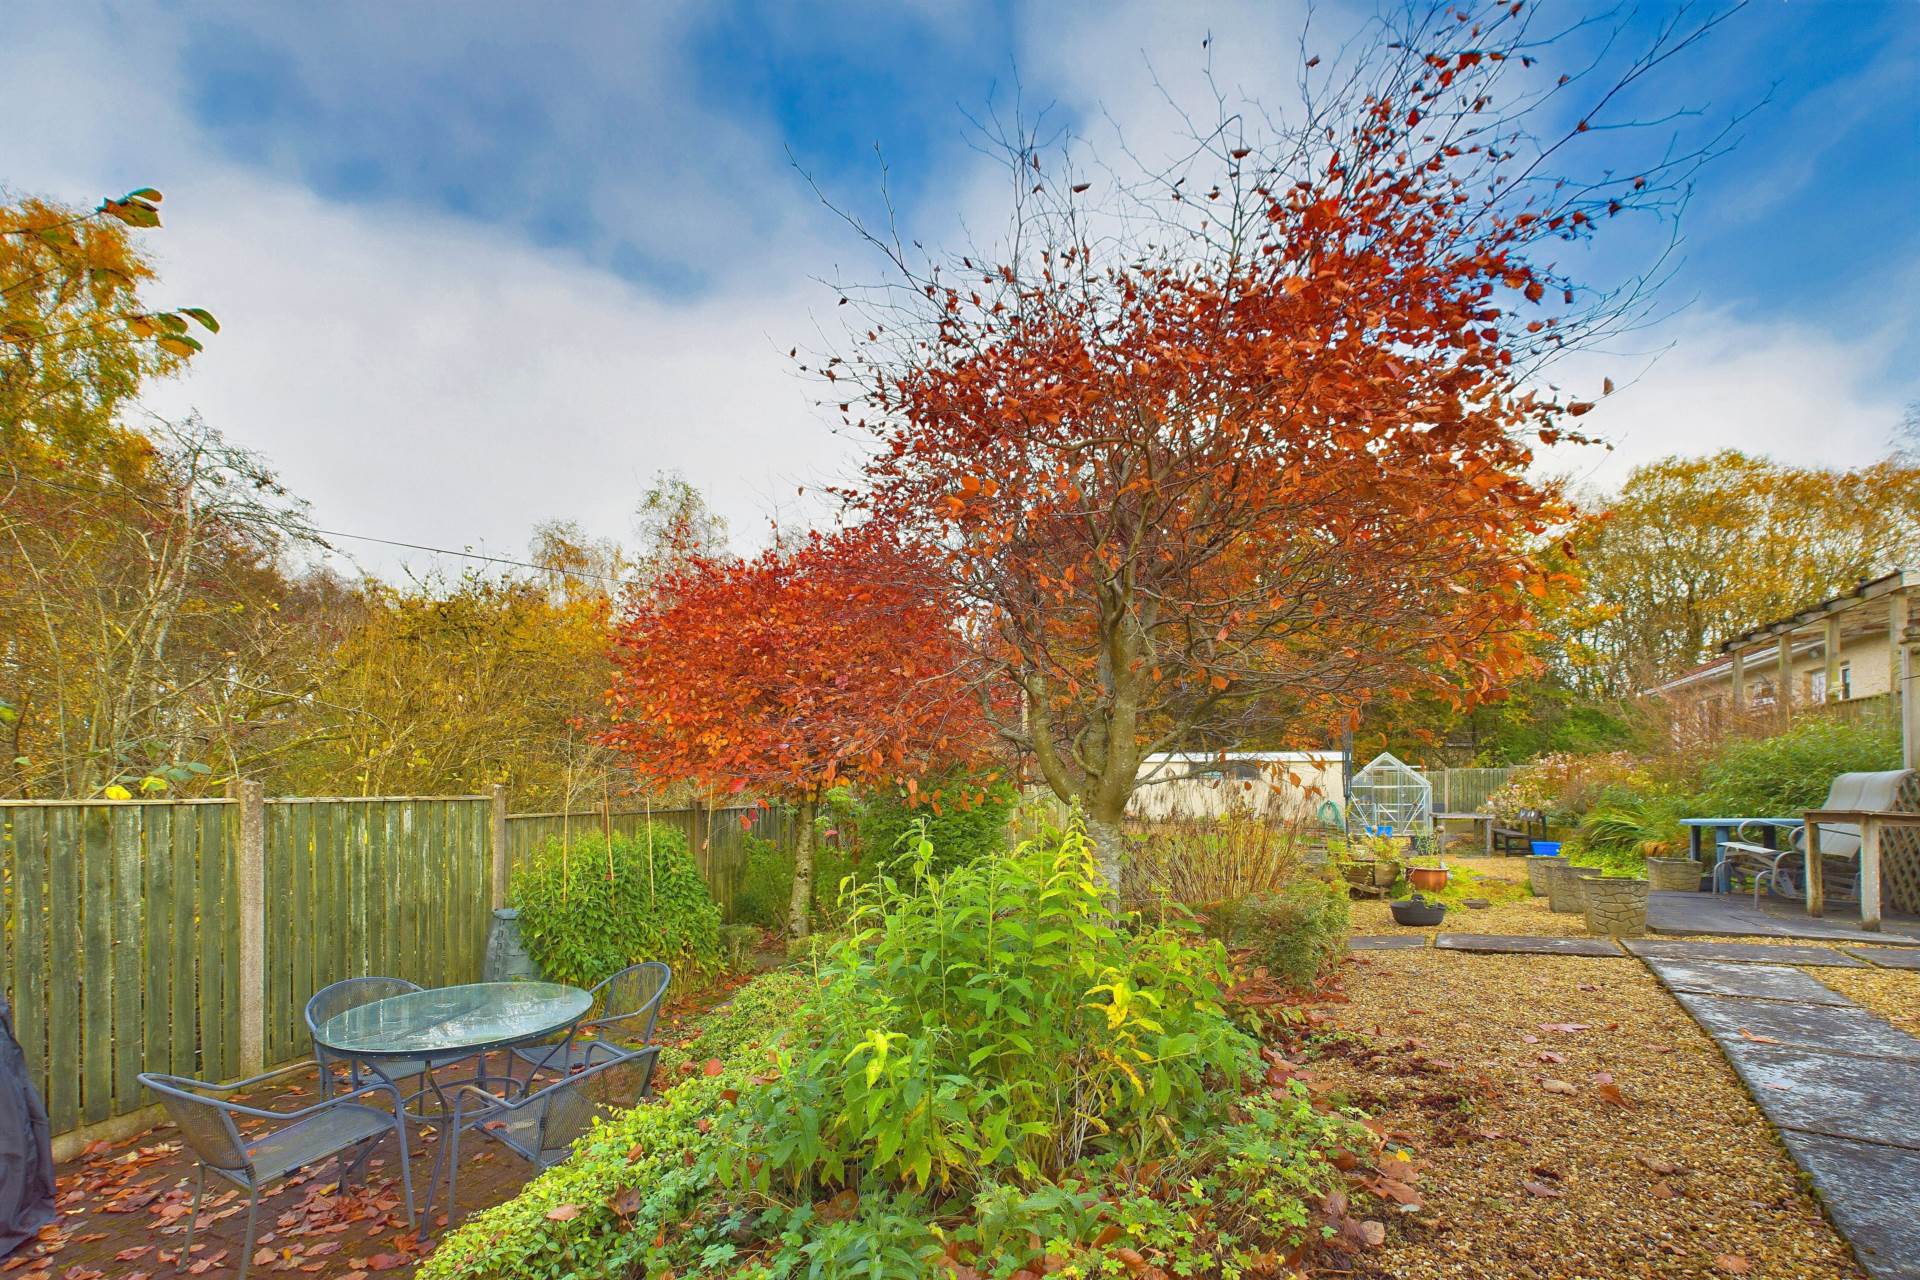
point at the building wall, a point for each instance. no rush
(1203, 787)
(1867, 661)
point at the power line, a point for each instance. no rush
(330, 533)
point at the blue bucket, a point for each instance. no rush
(1545, 848)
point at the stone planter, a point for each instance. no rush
(1537, 872)
(1673, 875)
(1566, 892)
(1616, 907)
(506, 957)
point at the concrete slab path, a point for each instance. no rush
(1525, 945)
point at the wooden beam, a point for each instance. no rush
(1783, 676)
(1832, 647)
(1907, 672)
(1739, 681)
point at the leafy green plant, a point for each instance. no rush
(1791, 771)
(1299, 933)
(766, 884)
(966, 821)
(589, 908)
(997, 1021)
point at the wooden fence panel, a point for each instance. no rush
(120, 921)
(378, 886)
(119, 952)
(715, 837)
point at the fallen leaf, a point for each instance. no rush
(1544, 1191)
(1748, 1035)
(559, 1213)
(1557, 1086)
(1734, 1264)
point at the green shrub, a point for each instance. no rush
(1300, 932)
(993, 1072)
(589, 909)
(1790, 772)
(969, 819)
(766, 885)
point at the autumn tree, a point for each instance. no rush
(77, 335)
(1692, 551)
(1240, 445)
(783, 674)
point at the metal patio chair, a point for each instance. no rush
(1783, 870)
(207, 1121)
(625, 1009)
(350, 993)
(541, 1125)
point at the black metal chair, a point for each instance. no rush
(540, 1126)
(625, 1009)
(207, 1121)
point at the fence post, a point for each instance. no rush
(499, 845)
(252, 890)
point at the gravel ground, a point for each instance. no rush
(1894, 994)
(1532, 1166)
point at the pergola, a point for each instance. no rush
(1886, 606)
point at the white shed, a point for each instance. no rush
(1285, 785)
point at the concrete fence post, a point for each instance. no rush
(500, 864)
(252, 889)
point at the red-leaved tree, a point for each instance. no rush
(1228, 451)
(786, 673)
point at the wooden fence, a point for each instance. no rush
(186, 936)
(1466, 790)
(718, 837)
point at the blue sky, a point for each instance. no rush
(535, 252)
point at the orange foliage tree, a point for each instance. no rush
(1232, 450)
(786, 673)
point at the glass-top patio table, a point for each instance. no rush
(1723, 830)
(449, 1024)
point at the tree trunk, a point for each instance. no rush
(1104, 830)
(800, 906)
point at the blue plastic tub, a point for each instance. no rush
(1546, 848)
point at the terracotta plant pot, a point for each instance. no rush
(1673, 875)
(1616, 906)
(1430, 879)
(1537, 866)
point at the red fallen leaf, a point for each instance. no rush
(1661, 1167)
(1611, 1092)
(1734, 1264)
(844, 1204)
(559, 1213)
(1364, 1232)
(1547, 1055)
(1748, 1035)
(1566, 1028)
(1543, 1191)
(1129, 1258)
(625, 1202)
(128, 1255)
(714, 1067)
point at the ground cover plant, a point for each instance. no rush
(992, 1071)
(591, 906)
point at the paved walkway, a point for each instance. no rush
(1734, 915)
(1839, 1083)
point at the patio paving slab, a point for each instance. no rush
(1520, 944)
(1868, 1191)
(1846, 1028)
(1742, 952)
(1387, 942)
(1840, 1096)
(1735, 916)
(1752, 981)
(1889, 957)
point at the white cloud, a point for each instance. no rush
(1794, 393)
